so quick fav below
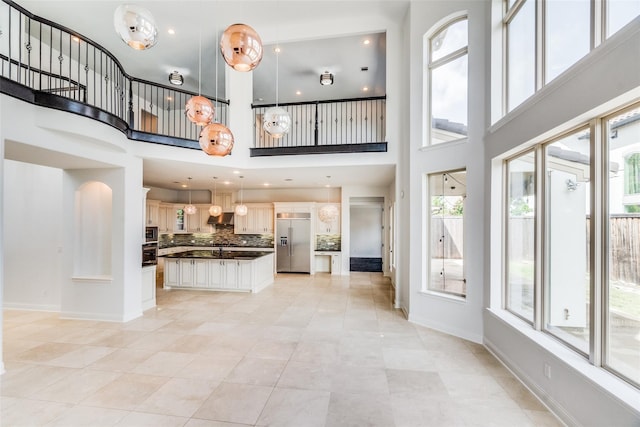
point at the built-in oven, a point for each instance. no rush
(149, 254)
(151, 234)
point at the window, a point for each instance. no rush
(520, 277)
(448, 77)
(546, 37)
(567, 244)
(622, 290)
(568, 201)
(447, 193)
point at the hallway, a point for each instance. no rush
(307, 351)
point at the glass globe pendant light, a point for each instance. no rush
(190, 209)
(241, 209)
(277, 120)
(215, 210)
(199, 110)
(328, 213)
(241, 47)
(135, 26)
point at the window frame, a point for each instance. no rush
(431, 65)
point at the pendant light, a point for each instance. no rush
(328, 213)
(190, 209)
(199, 110)
(216, 139)
(241, 47)
(277, 120)
(215, 210)
(135, 26)
(241, 209)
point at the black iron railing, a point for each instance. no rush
(333, 124)
(65, 70)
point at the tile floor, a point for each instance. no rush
(306, 351)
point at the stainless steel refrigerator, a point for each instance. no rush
(293, 242)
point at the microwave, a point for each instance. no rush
(151, 234)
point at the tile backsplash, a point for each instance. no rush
(328, 242)
(223, 236)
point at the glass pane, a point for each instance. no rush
(620, 13)
(449, 101)
(521, 51)
(565, 44)
(521, 235)
(567, 239)
(447, 192)
(449, 39)
(622, 351)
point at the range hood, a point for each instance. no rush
(225, 218)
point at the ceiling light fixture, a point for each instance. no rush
(135, 26)
(190, 209)
(199, 110)
(241, 47)
(276, 120)
(328, 213)
(215, 210)
(216, 139)
(241, 209)
(176, 78)
(326, 78)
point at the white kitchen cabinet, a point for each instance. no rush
(225, 201)
(197, 223)
(193, 273)
(328, 262)
(332, 227)
(152, 213)
(148, 294)
(165, 218)
(258, 220)
(171, 272)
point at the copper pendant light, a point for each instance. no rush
(241, 47)
(216, 140)
(199, 110)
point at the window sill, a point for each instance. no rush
(444, 296)
(613, 385)
(444, 145)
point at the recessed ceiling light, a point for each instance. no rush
(365, 89)
(184, 185)
(236, 172)
(171, 31)
(75, 39)
(276, 50)
(226, 182)
(298, 92)
(288, 179)
(266, 184)
(367, 41)
(169, 98)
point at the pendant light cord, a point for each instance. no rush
(277, 71)
(217, 53)
(200, 52)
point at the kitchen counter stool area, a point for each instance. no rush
(209, 270)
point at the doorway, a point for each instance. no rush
(366, 234)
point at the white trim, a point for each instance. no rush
(77, 315)
(31, 307)
(446, 328)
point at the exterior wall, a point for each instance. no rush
(461, 318)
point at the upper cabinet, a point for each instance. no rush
(152, 213)
(332, 227)
(225, 201)
(258, 220)
(197, 223)
(166, 217)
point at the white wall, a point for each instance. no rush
(32, 236)
(460, 318)
(366, 231)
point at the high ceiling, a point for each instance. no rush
(192, 51)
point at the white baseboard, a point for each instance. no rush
(31, 307)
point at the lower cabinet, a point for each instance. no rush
(219, 274)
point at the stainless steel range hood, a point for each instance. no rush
(225, 218)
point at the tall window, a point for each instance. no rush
(546, 37)
(567, 166)
(521, 235)
(447, 193)
(584, 228)
(447, 70)
(622, 290)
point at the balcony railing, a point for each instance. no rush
(342, 126)
(47, 64)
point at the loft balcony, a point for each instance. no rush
(51, 66)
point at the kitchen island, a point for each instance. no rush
(214, 269)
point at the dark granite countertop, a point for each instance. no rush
(226, 245)
(328, 250)
(215, 254)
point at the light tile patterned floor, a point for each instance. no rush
(307, 351)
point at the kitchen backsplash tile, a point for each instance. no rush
(223, 236)
(328, 242)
